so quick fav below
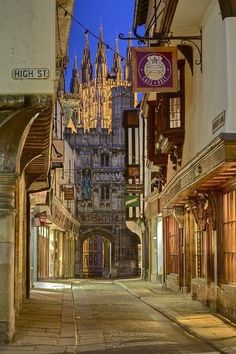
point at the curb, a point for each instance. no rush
(172, 318)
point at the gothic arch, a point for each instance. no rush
(85, 234)
(96, 232)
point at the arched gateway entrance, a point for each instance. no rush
(95, 254)
(96, 257)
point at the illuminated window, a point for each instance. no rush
(229, 237)
(200, 252)
(174, 112)
(172, 240)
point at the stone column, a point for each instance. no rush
(7, 253)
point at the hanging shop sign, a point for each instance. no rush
(154, 69)
(134, 188)
(132, 201)
(131, 118)
(42, 219)
(68, 193)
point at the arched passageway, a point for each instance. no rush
(103, 252)
(97, 254)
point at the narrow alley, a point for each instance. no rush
(117, 176)
(121, 316)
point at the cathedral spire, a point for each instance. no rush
(86, 66)
(117, 67)
(101, 61)
(127, 68)
(74, 82)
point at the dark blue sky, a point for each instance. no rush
(115, 16)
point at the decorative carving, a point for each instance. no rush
(178, 213)
(159, 178)
(203, 207)
(94, 218)
(62, 61)
(176, 156)
(86, 184)
(10, 102)
(39, 100)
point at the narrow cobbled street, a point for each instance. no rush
(123, 316)
(114, 321)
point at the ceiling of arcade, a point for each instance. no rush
(25, 134)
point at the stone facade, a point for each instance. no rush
(191, 144)
(94, 110)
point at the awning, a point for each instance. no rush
(141, 10)
(212, 168)
(42, 209)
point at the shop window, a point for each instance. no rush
(174, 112)
(229, 238)
(200, 253)
(170, 110)
(172, 242)
(165, 124)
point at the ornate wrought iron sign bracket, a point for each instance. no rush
(167, 38)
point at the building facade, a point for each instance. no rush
(30, 73)
(94, 106)
(191, 150)
(54, 224)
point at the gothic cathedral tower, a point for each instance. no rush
(95, 105)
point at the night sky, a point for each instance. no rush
(115, 16)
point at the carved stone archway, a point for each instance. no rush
(85, 234)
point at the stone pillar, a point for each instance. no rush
(7, 253)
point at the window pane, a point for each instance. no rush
(229, 237)
(174, 112)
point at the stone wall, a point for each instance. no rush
(172, 281)
(226, 301)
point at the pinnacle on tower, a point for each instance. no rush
(117, 67)
(86, 66)
(127, 68)
(74, 83)
(101, 61)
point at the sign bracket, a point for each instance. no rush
(166, 38)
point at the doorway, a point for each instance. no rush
(96, 257)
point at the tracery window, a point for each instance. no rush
(105, 192)
(105, 160)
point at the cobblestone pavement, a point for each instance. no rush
(117, 317)
(194, 317)
(112, 320)
(46, 324)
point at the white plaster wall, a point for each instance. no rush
(206, 91)
(230, 31)
(27, 40)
